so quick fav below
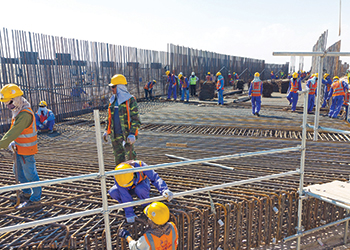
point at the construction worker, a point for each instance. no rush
(161, 234)
(148, 89)
(138, 183)
(22, 137)
(45, 119)
(327, 82)
(312, 86)
(272, 75)
(348, 74)
(185, 86)
(220, 88)
(208, 78)
(337, 91)
(255, 92)
(294, 86)
(193, 83)
(123, 120)
(172, 85)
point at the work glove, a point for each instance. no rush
(131, 139)
(105, 136)
(131, 219)
(12, 146)
(41, 126)
(45, 122)
(168, 195)
(123, 233)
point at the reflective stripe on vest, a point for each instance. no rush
(155, 243)
(256, 88)
(26, 142)
(220, 86)
(294, 85)
(338, 89)
(193, 80)
(313, 88)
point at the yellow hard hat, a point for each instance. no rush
(124, 180)
(271, 71)
(10, 91)
(234, 72)
(42, 104)
(335, 77)
(167, 72)
(208, 73)
(157, 212)
(154, 81)
(325, 75)
(257, 74)
(118, 79)
(295, 75)
(218, 74)
(316, 74)
(180, 75)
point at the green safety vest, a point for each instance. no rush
(193, 80)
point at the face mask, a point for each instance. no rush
(10, 105)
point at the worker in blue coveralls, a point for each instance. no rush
(312, 86)
(273, 76)
(148, 89)
(172, 84)
(337, 92)
(45, 119)
(294, 86)
(327, 82)
(185, 87)
(220, 88)
(137, 183)
(255, 92)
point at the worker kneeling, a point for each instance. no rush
(45, 119)
(161, 234)
(126, 185)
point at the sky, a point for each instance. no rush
(247, 28)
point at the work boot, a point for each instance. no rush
(257, 114)
(28, 204)
(50, 131)
(24, 197)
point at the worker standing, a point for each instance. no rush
(220, 88)
(185, 86)
(123, 120)
(337, 92)
(312, 86)
(272, 75)
(22, 137)
(255, 91)
(45, 119)
(327, 82)
(161, 234)
(148, 89)
(193, 83)
(294, 86)
(172, 85)
(137, 183)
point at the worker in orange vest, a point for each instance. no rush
(161, 234)
(312, 86)
(294, 86)
(255, 91)
(149, 88)
(22, 138)
(338, 90)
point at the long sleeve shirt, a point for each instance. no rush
(220, 83)
(345, 87)
(40, 118)
(327, 82)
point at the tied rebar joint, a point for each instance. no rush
(100, 176)
(108, 211)
(300, 230)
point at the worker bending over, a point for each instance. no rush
(138, 183)
(255, 92)
(148, 89)
(45, 119)
(337, 92)
(312, 86)
(220, 88)
(294, 86)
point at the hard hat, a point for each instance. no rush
(193, 73)
(157, 212)
(234, 72)
(154, 81)
(257, 74)
(218, 74)
(316, 74)
(180, 75)
(208, 73)
(10, 91)
(124, 180)
(334, 78)
(167, 72)
(118, 79)
(271, 71)
(42, 104)
(325, 75)
(295, 75)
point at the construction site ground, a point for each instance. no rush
(201, 129)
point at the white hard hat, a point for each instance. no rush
(193, 73)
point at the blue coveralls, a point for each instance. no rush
(220, 88)
(141, 189)
(337, 93)
(255, 91)
(292, 96)
(172, 86)
(185, 89)
(312, 85)
(148, 90)
(40, 118)
(327, 82)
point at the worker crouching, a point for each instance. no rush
(161, 234)
(138, 183)
(255, 92)
(45, 119)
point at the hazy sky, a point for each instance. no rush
(248, 28)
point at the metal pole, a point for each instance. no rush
(204, 163)
(318, 98)
(346, 228)
(302, 165)
(331, 129)
(101, 166)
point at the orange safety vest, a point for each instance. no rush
(256, 88)
(313, 88)
(165, 242)
(26, 142)
(109, 130)
(347, 98)
(294, 85)
(150, 86)
(338, 89)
